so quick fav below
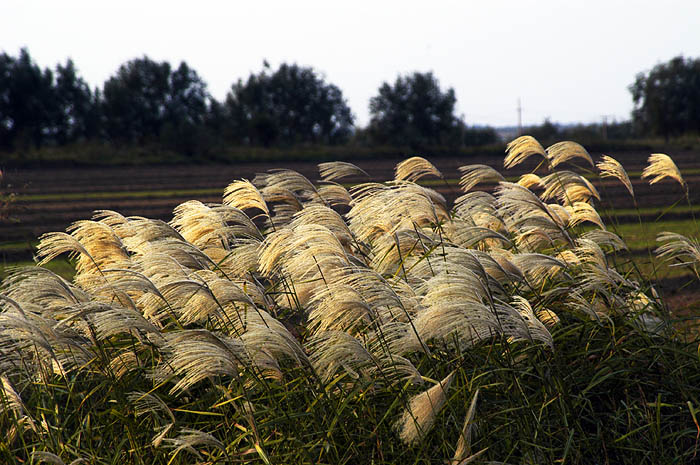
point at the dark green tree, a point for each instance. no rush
(547, 132)
(77, 115)
(148, 101)
(414, 112)
(476, 136)
(667, 98)
(28, 104)
(134, 100)
(288, 106)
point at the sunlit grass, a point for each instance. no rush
(272, 328)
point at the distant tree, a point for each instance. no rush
(667, 99)
(28, 104)
(77, 114)
(547, 132)
(288, 106)
(414, 112)
(145, 97)
(475, 136)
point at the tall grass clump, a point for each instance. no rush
(301, 322)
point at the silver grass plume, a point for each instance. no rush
(568, 187)
(354, 299)
(100, 240)
(322, 215)
(611, 168)
(533, 328)
(245, 196)
(560, 214)
(332, 170)
(469, 237)
(186, 255)
(590, 252)
(9, 399)
(455, 320)
(208, 226)
(287, 180)
(418, 418)
(240, 261)
(334, 194)
(195, 355)
(526, 216)
(124, 362)
(201, 297)
(582, 211)
(521, 149)
(139, 233)
(676, 246)
(49, 457)
(189, 438)
(530, 180)
(336, 352)
(390, 251)
(414, 168)
(475, 174)
(565, 151)
(379, 211)
(481, 209)
(150, 404)
(605, 238)
(267, 341)
(537, 267)
(661, 166)
(331, 351)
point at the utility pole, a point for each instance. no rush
(520, 118)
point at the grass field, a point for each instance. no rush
(296, 321)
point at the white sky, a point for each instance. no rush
(567, 60)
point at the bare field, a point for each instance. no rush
(50, 199)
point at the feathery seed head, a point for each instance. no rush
(521, 149)
(414, 168)
(662, 166)
(565, 151)
(611, 168)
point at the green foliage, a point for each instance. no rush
(38, 107)
(667, 98)
(414, 111)
(480, 136)
(147, 100)
(289, 106)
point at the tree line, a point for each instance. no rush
(147, 101)
(151, 102)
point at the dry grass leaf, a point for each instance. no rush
(422, 410)
(464, 444)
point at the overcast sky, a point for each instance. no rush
(569, 61)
